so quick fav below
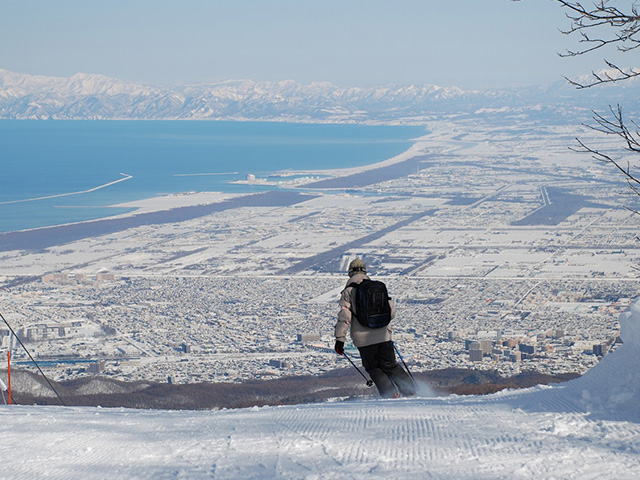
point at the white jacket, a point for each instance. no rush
(360, 335)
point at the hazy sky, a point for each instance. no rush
(467, 43)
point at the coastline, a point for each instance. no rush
(189, 205)
(395, 167)
(416, 148)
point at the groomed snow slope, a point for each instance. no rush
(586, 428)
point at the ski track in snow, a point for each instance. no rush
(451, 437)
(584, 429)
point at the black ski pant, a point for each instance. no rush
(379, 360)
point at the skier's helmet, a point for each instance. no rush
(357, 266)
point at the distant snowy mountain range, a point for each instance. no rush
(91, 96)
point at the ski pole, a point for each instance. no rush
(33, 360)
(405, 366)
(369, 381)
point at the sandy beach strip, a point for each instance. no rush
(373, 176)
(398, 166)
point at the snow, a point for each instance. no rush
(586, 428)
(610, 390)
(91, 96)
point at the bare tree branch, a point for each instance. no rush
(615, 126)
(606, 77)
(622, 29)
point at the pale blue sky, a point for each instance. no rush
(467, 43)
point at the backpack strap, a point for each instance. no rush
(354, 285)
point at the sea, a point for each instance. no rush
(55, 172)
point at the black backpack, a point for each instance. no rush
(371, 301)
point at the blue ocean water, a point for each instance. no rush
(56, 172)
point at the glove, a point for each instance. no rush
(339, 347)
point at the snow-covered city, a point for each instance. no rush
(497, 236)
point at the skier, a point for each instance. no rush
(374, 344)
